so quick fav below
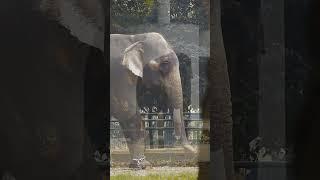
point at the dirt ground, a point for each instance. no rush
(154, 170)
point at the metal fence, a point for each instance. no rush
(159, 129)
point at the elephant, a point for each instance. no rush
(150, 58)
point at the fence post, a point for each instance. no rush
(155, 139)
(160, 132)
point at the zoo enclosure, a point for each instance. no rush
(159, 129)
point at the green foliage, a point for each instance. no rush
(137, 8)
(149, 3)
(130, 12)
(126, 13)
(188, 11)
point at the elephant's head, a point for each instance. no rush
(152, 59)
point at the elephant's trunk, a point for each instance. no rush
(176, 101)
(173, 90)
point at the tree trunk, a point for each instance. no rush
(164, 12)
(272, 122)
(218, 102)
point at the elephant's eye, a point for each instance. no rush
(165, 67)
(165, 62)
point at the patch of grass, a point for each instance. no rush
(180, 176)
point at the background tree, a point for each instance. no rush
(242, 39)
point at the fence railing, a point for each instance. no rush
(159, 128)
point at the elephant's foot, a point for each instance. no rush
(189, 149)
(185, 144)
(140, 163)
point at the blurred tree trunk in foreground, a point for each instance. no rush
(217, 105)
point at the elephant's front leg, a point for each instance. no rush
(134, 133)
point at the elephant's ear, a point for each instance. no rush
(132, 58)
(83, 18)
